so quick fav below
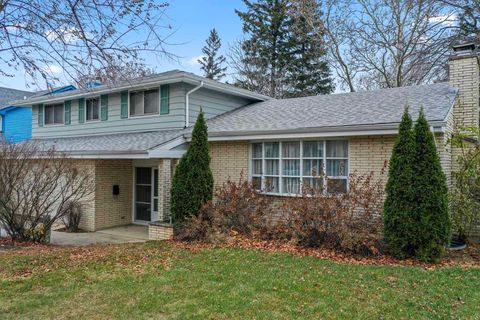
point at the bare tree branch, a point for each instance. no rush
(69, 37)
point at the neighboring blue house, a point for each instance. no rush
(16, 120)
(16, 123)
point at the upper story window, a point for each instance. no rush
(92, 109)
(144, 102)
(54, 113)
(289, 167)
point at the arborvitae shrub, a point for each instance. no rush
(431, 195)
(399, 210)
(192, 184)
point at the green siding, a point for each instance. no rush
(213, 103)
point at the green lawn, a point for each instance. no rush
(159, 280)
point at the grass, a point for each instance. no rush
(163, 281)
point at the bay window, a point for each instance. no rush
(291, 167)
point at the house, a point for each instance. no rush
(132, 134)
(16, 119)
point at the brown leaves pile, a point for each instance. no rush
(122, 258)
(468, 258)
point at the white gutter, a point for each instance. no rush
(187, 107)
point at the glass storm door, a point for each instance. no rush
(146, 194)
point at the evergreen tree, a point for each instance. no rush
(266, 24)
(212, 63)
(399, 209)
(431, 195)
(192, 184)
(308, 72)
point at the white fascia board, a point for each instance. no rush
(169, 154)
(175, 154)
(331, 134)
(108, 156)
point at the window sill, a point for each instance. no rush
(53, 124)
(143, 116)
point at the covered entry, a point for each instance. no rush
(151, 190)
(146, 194)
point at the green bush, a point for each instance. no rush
(192, 184)
(465, 191)
(416, 217)
(431, 195)
(399, 222)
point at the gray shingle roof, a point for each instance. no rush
(136, 142)
(337, 110)
(172, 76)
(8, 95)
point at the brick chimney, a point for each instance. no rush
(464, 74)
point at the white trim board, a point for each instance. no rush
(337, 134)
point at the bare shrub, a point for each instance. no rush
(72, 214)
(35, 186)
(237, 207)
(349, 222)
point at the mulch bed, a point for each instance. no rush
(469, 257)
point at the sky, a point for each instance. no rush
(192, 21)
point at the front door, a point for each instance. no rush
(146, 194)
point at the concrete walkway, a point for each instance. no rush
(117, 235)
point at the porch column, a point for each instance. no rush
(164, 185)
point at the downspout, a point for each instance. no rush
(187, 107)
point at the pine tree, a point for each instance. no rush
(267, 47)
(212, 63)
(431, 195)
(308, 72)
(399, 209)
(192, 184)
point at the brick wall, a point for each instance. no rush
(87, 221)
(113, 210)
(464, 74)
(160, 231)
(370, 153)
(229, 160)
(165, 175)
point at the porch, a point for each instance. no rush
(129, 192)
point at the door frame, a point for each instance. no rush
(152, 195)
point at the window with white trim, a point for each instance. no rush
(289, 167)
(54, 113)
(92, 109)
(144, 102)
